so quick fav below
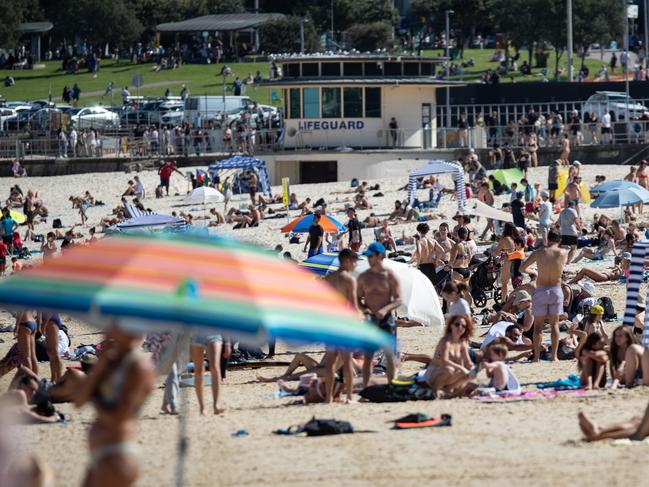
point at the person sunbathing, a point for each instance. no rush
(372, 221)
(361, 202)
(15, 403)
(305, 206)
(130, 189)
(614, 275)
(385, 237)
(606, 246)
(625, 358)
(220, 219)
(592, 357)
(398, 212)
(635, 429)
(448, 369)
(299, 360)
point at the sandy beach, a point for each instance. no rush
(533, 442)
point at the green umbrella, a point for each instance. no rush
(508, 176)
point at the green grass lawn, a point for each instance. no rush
(201, 79)
(483, 63)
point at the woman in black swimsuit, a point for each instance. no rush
(460, 257)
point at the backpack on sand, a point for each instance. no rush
(324, 427)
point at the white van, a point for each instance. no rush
(201, 109)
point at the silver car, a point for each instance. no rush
(94, 117)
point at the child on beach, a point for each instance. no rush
(592, 357)
(501, 376)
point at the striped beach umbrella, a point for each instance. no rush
(303, 223)
(192, 282)
(321, 264)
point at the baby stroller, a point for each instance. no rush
(483, 282)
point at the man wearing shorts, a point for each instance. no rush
(570, 227)
(165, 174)
(253, 180)
(547, 299)
(379, 294)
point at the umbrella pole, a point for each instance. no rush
(183, 440)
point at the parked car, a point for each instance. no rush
(613, 102)
(94, 117)
(6, 113)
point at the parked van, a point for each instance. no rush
(202, 109)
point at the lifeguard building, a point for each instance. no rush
(342, 110)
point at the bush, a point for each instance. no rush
(369, 37)
(283, 35)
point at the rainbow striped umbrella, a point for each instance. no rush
(303, 223)
(197, 282)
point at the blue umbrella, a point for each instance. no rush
(321, 264)
(621, 197)
(614, 185)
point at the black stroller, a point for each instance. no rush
(483, 282)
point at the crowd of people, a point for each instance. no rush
(523, 261)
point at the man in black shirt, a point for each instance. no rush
(354, 228)
(315, 238)
(518, 208)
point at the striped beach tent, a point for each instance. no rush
(638, 255)
(434, 168)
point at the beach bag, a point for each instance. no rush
(609, 311)
(56, 223)
(324, 427)
(354, 182)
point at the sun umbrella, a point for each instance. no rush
(508, 176)
(321, 264)
(162, 281)
(203, 196)
(18, 217)
(420, 301)
(612, 185)
(621, 197)
(303, 223)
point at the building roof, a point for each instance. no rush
(354, 56)
(35, 27)
(361, 81)
(224, 22)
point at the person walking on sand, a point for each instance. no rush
(343, 282)
(547, 299)
(315, 238)
(570, 226)
(428, 253)
(165, 172)
(379, 294)
(565, 149)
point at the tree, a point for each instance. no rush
(370, 36)
(12, 14)
(596, 21)
(197, 8)
(283, 35)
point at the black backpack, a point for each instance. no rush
(609, 311)
(323, 427)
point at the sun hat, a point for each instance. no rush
(375, 248)
(596, 310)
(545, 194)
(522, 296)
(589, 287)
(576, 163)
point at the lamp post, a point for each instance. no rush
(625, 4)
(448, 13)
(569, 20)
(302, 22)
(225, 72)
(646, 33)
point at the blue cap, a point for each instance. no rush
(375, 248)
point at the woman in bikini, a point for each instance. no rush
(449, 369)
(26, 328)
(614, 275)
(591, 357)
(625, 357)
(384, 235)
(461, 257)
(117, 385)
(505, 246)
(51, 326)
(606, 245)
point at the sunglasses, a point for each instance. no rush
(459, 324)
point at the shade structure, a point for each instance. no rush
(436, 168)
(420, 300)
(203, 196)
(508, 176)
(149, 223)
(194, 283)
(303, 223)
(621, 197)
(478, 208)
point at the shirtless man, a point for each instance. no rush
(343, 282)
(428, 253)
(547, 300)
(445, 242)
(379, 294)
(573, 193)
(565, 149)
(252, 185)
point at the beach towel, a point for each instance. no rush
(421, 421)
(572, 382)
(531, 395)
(629, 442)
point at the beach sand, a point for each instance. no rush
(533, 443)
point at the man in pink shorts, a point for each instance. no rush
(547, 299)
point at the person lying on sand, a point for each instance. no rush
(15, 404)
(299, 360)
(372, 221)
(635, 429)
(613, 275)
